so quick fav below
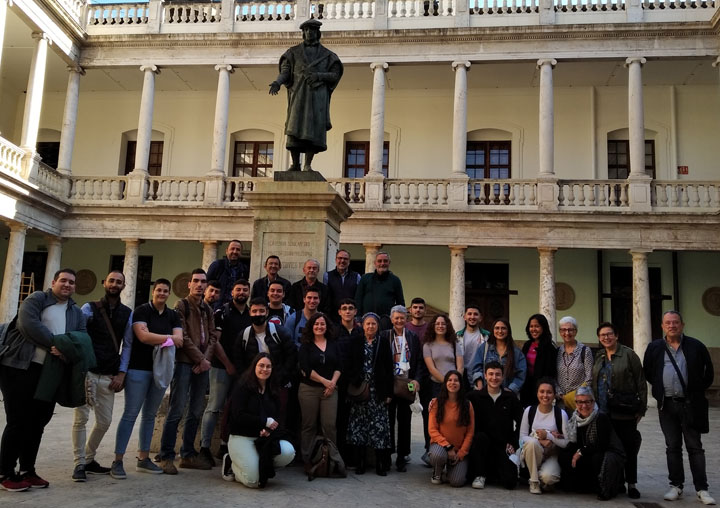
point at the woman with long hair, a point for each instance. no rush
(254, 414)
(543, 432)
(451, 427)
(320, 365)
(372, 370)
(441, 355)
(540, 354)
(500, 347)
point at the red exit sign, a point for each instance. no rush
(683, 170)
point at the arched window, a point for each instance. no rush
(157, 149)
(618, 153)
(356, 163)
(253, 153)
(488, 154)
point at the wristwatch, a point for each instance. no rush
(449, 447)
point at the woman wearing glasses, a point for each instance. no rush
(574, 363)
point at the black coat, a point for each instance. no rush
(249, 411)
(700, 375)
(284, 354)
(383, 366)
(417, 363)
(545, 366)
(499, 420)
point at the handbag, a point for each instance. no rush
(401, 388)
(359, 393)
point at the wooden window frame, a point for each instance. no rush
(613, 169)
(154, 161)
(365, 147)
(242, 169)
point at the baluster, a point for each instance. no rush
(237, 194)
(442, 193)
(482, 197)
(690, 196)
(393, 192)
(192, 190)
(703, 196)
(570, 201)
(96, 189)
(511, 196)
(713, 195)
(590, 195)
(602, 194)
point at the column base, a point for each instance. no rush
(547, 193)
(458, 193)
(136, 189)
(214, 186)
(374, 191)
(639, 195)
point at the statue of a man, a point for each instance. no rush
(310, 72)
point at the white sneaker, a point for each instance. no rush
(704, 497)
(436, 480)
(479, 482)
(535, 488)
(673, 494)
(227, 471)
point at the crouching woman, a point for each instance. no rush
(256, 445)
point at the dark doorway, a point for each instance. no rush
(488, 286)
(357, 265)
(144, 276)
(621, 306)
(35, 263)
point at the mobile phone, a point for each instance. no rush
(411, 387)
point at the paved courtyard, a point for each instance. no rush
(291, 489)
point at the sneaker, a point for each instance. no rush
(633, 492)
(147, 466)
(479, 482)
(34, 480)
(535, 488)
(436, 479)
(168, 466)
(79, 473)
(193, 463)
(426, 459)
(673, 494)
(704, 497)
(117, 470)
(205, 457)
(227, 471)
(93, 467)
(14, 484)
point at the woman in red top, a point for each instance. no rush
(451, 426)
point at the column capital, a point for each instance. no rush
(547, 250)
(457, 248)
(77, 69)
(150, 67)
(132, 241)
(546, 61)
(38, 36)
(639, 252)
(372, 245)
(17, 227)
(379, 65)
(54, 240)
(459, 64)
(635, 59)
(227, 67)
(716, 62)
(209, 242)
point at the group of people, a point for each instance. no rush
(344, 359)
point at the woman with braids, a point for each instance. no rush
(540, 355)
(451, 426)
(500, 347)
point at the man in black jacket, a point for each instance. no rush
(227, 270)
(342, 282)
(496, 431)
(679, 369)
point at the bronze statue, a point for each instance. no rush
(310, 72)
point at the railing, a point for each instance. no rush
(272, 15)
(117, 14)
(199, 12)
(674, 194)
(73, 7)
(11, 158)
(502, 193)
(593, 193)
(416, 192)
(88, 189)
(175, 190)
(352, 189)
(236, 188)
(50, 181)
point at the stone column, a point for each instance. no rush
(459, 145)
(547, 285)
(547, 184)
(377, 118)
(13, 269)
(130, 269)
(457, 284)
(34, 96)
(54, 245)
(3, 17)
(371, 250)
(642, 326)
(209, 253)
(638, 180)
(222, 105)
(67, 136)
(144, 131)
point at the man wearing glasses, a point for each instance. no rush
(342, 282)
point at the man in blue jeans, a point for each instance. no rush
(190, 381)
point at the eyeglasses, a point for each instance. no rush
(584, 402)
(568, 330)
(606, 335)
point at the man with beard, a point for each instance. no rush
(311, 269)
(212, 293)
(109, 324)
(272, 267)
(227, 270)
(379, 291)
(231, 319)
(296, 322)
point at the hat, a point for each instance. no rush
(311, 23)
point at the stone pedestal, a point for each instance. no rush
(295, 221)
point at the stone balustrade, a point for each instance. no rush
(237, 187)
(50, 181)
(352, 189)
(593, 194)
(175, 190)
(502, 193)
(11, 157)
(416, 193)
(674, 194)
(274, 15)
(92, 189)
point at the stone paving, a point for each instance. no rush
(291, 488)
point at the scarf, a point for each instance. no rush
(578, 421)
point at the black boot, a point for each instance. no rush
(360, 461)
(380, 462)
